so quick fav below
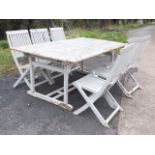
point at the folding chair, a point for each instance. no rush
(98, 86)
(138, 48)
(21, 38)
(57, 33)
(39, 36)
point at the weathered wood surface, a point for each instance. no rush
(71, 50)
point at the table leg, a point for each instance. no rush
(66, 82)
(32, 78)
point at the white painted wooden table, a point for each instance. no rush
(69, 52)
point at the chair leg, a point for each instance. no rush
(90, 104)
(103, 121)
(44, 73)
(137, 85)
(112, 101)
(81, 109)
(84, 107)
(98, 115)
(109, 100)
(49, 75)
(21, 78)
(109, 118)
(130, 92)
(124, 90)
(27, 82)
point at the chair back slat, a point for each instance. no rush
(39, 36)
(57, 34)
(18, 38)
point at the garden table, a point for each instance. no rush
(69, 52)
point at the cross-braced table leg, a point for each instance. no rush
(64, 104)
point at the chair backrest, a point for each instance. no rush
(18, 38)
(57, 33)
(141, 44)
(122, 62)
(39, 36)
(119, 67)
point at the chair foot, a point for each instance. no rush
(106, 125)
(14, 86)
(135, 89)
(81, 109)
(128, 95)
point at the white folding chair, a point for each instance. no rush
(57, 33)
(137, 50)
(21, 38)
(98, 86)
(39, 36)
(140, 46)
(15, 39)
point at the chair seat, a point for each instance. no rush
(103, 72)
(90, 83)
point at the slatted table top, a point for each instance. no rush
(71, 50)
